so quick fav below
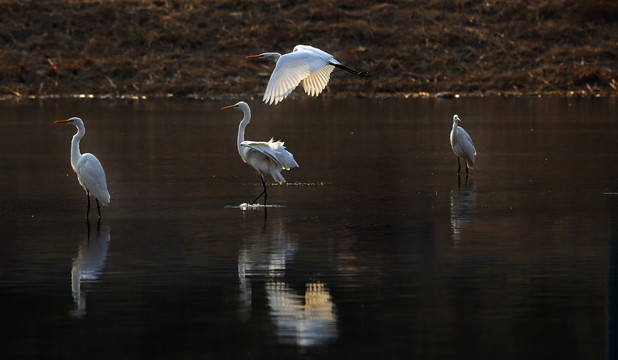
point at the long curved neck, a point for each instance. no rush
(75, 153)
(241, 127)
(455, 126)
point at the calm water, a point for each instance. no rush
(375, 249)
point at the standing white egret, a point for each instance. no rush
(266, 157)
(310, 65)
(462, 145)
(90, 173)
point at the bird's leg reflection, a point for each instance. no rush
(88, 231)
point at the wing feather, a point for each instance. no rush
(273, 150)
(467, 146)
(315, 83)
(290, 70)
(91, 176)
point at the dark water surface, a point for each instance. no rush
(373, 250)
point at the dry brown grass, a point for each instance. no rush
(195, 47)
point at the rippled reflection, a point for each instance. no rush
(88, 264)
(463, 208)
(264, 256)
(303, 319)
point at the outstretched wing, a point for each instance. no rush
(316, 82)
(91, 176)
(273, 150)
(290, 70)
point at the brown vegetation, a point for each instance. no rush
(198, 48)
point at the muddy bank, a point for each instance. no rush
(198, 48)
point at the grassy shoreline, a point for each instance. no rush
(197, 49)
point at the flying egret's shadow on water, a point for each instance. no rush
(303, 319)
(463, 208)
(88, 264)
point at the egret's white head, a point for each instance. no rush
(456, 118)
(265, 55)
(240, 105)
(73, 121)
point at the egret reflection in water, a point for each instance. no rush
(542, 284)
(88, 264)
(265, 255)
(463, 208)
(303, 319)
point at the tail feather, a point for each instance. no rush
(276, 174)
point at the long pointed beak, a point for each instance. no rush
(228, 107)
(60, 121)
(252, 57)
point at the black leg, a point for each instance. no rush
(253, 202)
(98, 207)
(357, 73)
(263, 192)
(458, 166)
(466, 169)
(88, 208)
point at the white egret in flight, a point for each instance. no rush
(462, 145)
(90, 173)
(266, 157)
(310, 65)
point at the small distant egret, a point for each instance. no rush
(310, 65)
(266, 157)
(462, 145)
(90, 173)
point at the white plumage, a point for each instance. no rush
(266, 157)
(462, 145)
(305, 63)
(88, 168)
